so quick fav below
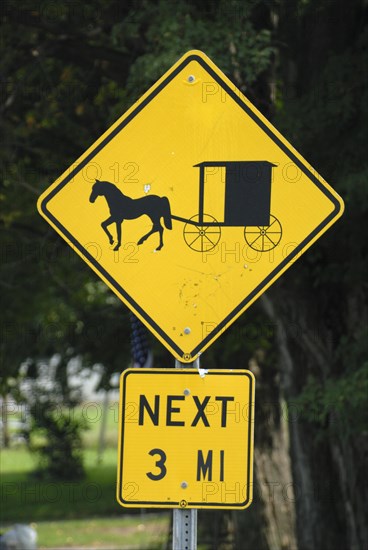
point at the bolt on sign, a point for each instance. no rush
(190, 206)
(186, 441)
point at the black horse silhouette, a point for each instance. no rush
(125, 208)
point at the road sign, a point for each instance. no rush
(186, 441)
(216, 206)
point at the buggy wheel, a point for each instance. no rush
(264, 237)
(204, 237)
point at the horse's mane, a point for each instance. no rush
(105, 182)
(109, 184)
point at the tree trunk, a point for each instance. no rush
(306, 516)
(5, 423)
(328, 466)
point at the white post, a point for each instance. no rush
(102, 437)
(185, 521)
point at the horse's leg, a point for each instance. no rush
(156, 227)
(104, 225)
(118, 232)
(142, 239)
(160, 229)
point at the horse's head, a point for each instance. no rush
(96, 191)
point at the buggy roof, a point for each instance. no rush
(233, 162)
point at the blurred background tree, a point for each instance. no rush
(68, 71)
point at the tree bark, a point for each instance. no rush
(5, 423)
(306, 516)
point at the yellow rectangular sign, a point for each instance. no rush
(185, 440)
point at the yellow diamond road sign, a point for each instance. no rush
(190, 206)
(186, 441)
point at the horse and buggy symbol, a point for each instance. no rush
(244, 201)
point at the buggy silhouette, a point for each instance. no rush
(245, 203)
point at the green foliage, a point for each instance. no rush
(323, 110)
(327, 121)
(69, 71)
(172, 28)
(59, 443)
(339, 404)
(55, 435)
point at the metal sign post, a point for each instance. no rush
(184, 529)
(185, 521)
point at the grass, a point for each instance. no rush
(143, 532)
(83, 513)
(26, 499)
(18, 461)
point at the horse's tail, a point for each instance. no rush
(166, 212)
